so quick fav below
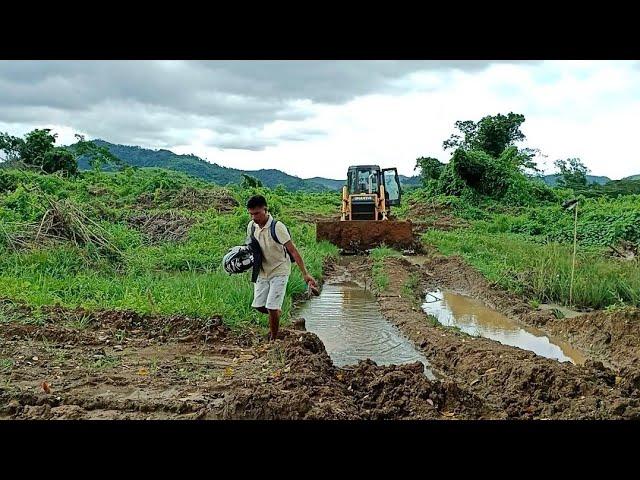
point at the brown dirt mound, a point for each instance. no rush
(310, 387)
(364, 235)
(162, 226)
(403, 392)
(611, 337)
(427, 216)
(303, 385)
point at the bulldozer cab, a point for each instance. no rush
(363, 179)
(366, 179)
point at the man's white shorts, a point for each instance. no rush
(269, 292)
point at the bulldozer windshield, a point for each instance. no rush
(363, 181)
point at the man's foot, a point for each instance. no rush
(270, 337)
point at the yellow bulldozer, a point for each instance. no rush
(365, 221)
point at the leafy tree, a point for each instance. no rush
(250, 182)
(37, 144)
(60, 159)
(38, 151)
(430, 168)
(492, 134)
(573, 173)
(10, 147)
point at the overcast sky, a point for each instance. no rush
(315, 118)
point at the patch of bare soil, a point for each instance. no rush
(425, 216)
(611, 337)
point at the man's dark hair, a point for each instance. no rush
(257, 201)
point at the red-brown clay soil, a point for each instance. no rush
(121, 365)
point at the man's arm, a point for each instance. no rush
(291, 248)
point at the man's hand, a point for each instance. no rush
(313, 286)
(310, 280)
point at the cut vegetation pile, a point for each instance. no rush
(190, 198)
(161, 226)
(62, 221)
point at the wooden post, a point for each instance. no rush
(573, 265)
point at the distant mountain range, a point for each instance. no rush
(552, 180)
(197, 167)
(337, 184)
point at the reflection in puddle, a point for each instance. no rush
(347, 320)
(473, 317)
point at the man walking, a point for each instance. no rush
(271, 284)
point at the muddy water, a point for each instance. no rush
(347, 320)
(475, 318)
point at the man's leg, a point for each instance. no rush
(277, 288)
(274, 323)
(260, 293)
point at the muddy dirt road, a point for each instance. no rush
(120, 365)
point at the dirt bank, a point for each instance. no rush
(514, 383)
(610, 337)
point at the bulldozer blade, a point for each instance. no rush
(366, 234)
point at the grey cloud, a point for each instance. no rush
(125, 101)
(301, 135)
(254, 145)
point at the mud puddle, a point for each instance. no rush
(475, 318)
(347, 319)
